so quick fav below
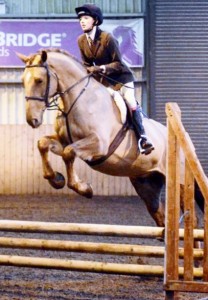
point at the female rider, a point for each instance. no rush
(101, 55)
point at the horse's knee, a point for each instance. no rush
(43, 144)
(68, 154)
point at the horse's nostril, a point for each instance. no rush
(34, 123)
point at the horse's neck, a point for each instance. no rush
(66, 68)
(91, 100)
(70, 82)
(84, 92)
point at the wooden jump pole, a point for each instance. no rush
(90, 229)
(90, 247)
(87, 266)
(76, 228)
(178, 139)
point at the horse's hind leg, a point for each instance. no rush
(149, 189)
(45, 144)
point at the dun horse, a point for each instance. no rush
(88, 126)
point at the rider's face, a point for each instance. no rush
(86, 22)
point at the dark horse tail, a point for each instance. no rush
(199, 198)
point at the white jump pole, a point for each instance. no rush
(91, 229)
(87, 266)
(77, 246)
(90, 247)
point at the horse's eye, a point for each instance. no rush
(38, 81)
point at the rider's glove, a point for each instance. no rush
(94, 69)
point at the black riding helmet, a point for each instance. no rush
(90, 10)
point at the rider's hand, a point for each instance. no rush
(94, 69)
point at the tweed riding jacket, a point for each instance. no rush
(105, 51)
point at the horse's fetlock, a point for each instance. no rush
(46, 176)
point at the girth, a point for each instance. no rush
(114, 144)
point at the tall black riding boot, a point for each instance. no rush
(145, 146)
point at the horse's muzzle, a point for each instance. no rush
(34, 123)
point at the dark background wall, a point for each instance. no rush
(178, 65)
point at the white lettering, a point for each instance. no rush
(4, 52)
(2, 38)
(43, 40)
(55, 40)
(30, 39)
(11, 39)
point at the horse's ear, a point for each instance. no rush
(44, 56)
(23, 57)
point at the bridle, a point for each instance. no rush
(53, 103)
(46, 95)
(56, 94)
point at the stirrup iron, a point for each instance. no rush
(149, 145)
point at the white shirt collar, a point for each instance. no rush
(91, 34)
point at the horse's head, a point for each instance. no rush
(40, 83)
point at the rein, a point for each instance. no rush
(118, 138)
(65, 114)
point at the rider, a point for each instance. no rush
(101, 55)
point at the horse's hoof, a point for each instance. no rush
(58, 182)
(83, 189)
(89, 191)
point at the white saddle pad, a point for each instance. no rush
(120, 103)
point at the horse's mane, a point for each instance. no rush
(57, 50)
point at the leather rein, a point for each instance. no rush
(54, 105)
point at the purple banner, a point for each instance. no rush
(29, 36)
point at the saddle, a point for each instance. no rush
(121, 104)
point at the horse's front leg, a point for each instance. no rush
(86, 149)
(74, 182)
(51, 143)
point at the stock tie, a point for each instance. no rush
(90, 41)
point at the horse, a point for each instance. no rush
(88, 123)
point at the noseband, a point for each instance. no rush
(46, 95)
